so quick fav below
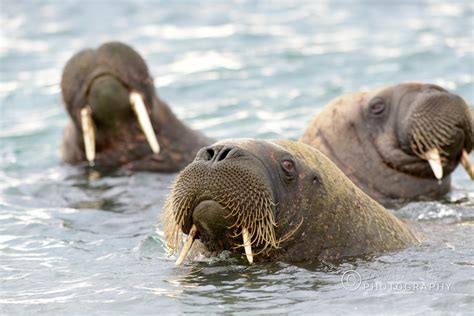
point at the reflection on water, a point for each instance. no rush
(78, 240)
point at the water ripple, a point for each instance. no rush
(80, 241)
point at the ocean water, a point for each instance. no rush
(77, 241)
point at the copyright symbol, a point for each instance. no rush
(351, 280)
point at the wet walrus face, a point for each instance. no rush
(275, 200)
(117, 118)
(399, 142)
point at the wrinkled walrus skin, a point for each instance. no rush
(383, 140)
(102, 81)
(284, 200)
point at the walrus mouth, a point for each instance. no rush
(232, 199)
(138, 106)
(439, 130)
(437, 157)
(201, 230)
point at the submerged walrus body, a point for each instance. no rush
(400, 142)
(276, 200)
(116, 117)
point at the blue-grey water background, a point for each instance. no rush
(78, 242)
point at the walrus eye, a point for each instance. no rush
(377, 106)
(316, 180)
(288, 166)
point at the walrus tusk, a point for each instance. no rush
(247, 245)
(434, 159)
(466, 163)
(187, 245)
(88, 133)
(139, 108)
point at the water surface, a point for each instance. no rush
(77, 241)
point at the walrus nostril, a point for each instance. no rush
(223, 154)
(216, 153)
(210, 154)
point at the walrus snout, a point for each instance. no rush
(439, 129)
(213, 222)
(225, 197)
(217, 153)
(108, 99)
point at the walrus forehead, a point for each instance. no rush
(240, 142)
(391, 93)
(306, 155)
(116, 59)
(298, 150)
(309, 158)
(397, 93)
(124, 60)
(258, 147)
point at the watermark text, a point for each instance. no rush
(351, 280)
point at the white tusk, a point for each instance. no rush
(187, 245)
(247, 245)
(434, 159)
(139, 108)
(467, 164)
(88, 133)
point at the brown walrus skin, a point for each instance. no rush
(103, 79)
(378, 139)
(294, 202)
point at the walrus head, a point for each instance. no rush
(398, 142)
(274, 199)
(110, 96)
(428, 123)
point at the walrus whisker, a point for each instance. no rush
(424, 141)
(252, 209)
(140, 110)
(275, 243)
(88, 133)
(434, 159)
(291, 232)
(187, 245)
(172, 224)
(466, 163)
(263, 224)
(237, 214)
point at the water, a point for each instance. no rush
(78, 241)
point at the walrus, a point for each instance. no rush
(396, 143)
(117, 119)
(275, 200)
